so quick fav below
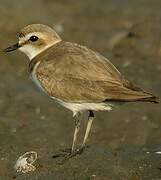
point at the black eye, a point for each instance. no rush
(33, 38)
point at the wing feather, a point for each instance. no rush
(73, 73)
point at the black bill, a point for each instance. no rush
(12, 48)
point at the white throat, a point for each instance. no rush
(32, 52)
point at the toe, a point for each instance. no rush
(62, 153)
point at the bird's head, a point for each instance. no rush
(33, 39)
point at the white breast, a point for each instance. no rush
(34, 77)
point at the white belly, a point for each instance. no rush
(80, 107)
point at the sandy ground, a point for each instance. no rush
(129, 34)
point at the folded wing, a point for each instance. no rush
(73, 73)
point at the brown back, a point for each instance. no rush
(74, 73)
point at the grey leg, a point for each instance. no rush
(89, 124)
(70, 152)
(77, 126)
(73, 152)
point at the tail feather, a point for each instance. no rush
(146, 96)
(152, 99)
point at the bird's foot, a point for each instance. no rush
(68, 153)
(62, 153)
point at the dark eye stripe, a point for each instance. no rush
(33, 38)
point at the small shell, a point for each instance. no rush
(25, 162)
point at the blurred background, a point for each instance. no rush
(128, 33)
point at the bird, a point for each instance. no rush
(75, 76)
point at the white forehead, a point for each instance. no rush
(27, 36)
